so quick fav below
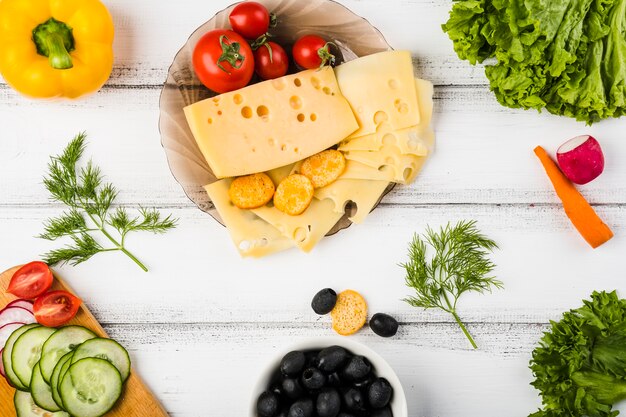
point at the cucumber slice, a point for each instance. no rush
(54, 380)
(41, 391)
(106, 349)
(26, 407)
(62, 373)
(7, 353)
(91, 387)
(27, 352)
(63, 341)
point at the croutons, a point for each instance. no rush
(324, 168)
(349, 313)
(294, 195)
(252, 191)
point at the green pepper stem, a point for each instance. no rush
(58, 56)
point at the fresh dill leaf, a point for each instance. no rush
(90, 199)
(460, 264)
(83, 248)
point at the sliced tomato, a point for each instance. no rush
(271, 61)
(56, 308)
(31, 280)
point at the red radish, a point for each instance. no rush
(26, 304)
(581, 159)
(7, 330)
(2, 365)
(16, 315)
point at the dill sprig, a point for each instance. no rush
(459, 264)
(89, 199)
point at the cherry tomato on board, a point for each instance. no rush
(271, 61)
(312, 51)
(223, 61)
(31, 280)
(250, 19)
(56, 308)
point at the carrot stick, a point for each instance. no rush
(579, 211)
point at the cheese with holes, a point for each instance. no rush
(363, 193)
(380, 88)
(407, 141)
(271, 124)
(398, 155)
(252, 236)
(307, 229)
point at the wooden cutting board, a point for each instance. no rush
(136, 400)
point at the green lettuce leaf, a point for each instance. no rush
(580, 364)
(567, 56)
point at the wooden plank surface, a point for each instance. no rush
(136, 399)
(202, 323)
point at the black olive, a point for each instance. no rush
(292, 389)
(354, 401)
(333, 380)
(364, 383)
(331, 359)
(313, 379)
(357, 368)
(328, 403)
(276, 388)
(379, 393)
(301, 408)
(324, 301)
(267, 405)
(383, 325)
(383, 412)
(311, 358)
(293, 363)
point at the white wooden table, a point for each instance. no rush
(202, 323)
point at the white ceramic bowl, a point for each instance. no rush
(382, 368)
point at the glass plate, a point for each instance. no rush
(353, 35)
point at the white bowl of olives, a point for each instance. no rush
(328, 377)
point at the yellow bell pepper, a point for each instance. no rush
(55, 48)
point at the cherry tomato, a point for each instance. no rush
(250, 19)
(311, 51)
(271, 61)
(31, 280)
(223, 61)
(55, 308)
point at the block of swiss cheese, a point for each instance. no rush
(271, 124)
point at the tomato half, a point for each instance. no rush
(31, 280)
(312, 51)
(223, 61)
(271, 61)
(55, 308)
(250, 19)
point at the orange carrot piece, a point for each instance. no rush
(579, 211)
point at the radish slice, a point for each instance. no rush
(16, 315)
(581, 159)
(7, 330)
(2, 364)
(27, 304)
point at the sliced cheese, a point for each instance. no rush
(252, 236)
(407, 141)
(413, 140)
(401, 154)
(271, 124)
(307, 229)
(279, 174)
(359, 171)
(380, 89)
(364, 194)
